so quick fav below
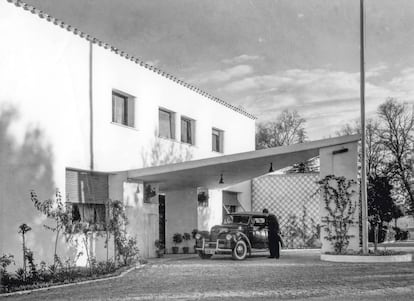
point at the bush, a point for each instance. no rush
(54, 275)
(400, 234)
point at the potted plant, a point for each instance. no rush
(160, 248)
(186, 238)
(177, 239)
(202, 197)
(193, 235)
(149, 193)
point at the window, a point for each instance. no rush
(123, 109)
(230, 203)
(94, 214)
(187, 130)
(87, 192)
(217, 140)
(166, 124)
(259, 222)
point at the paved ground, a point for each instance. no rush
(297, 275)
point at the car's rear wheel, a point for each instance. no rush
(204, 255)
(240, 250)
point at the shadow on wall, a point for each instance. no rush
(163, 151)
(204, 217)
(24, 166)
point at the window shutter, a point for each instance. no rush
(113, 108)
(193, 130)
(183, 130)
(85, 187)
(99, 186)
(172, 125)
(72, 187)
(131, 112)
(221, 146)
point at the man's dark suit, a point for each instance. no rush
(273, 226)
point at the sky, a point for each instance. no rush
(267, 55)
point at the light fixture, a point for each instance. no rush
(271, 167)
(339, 151)
(221, 179)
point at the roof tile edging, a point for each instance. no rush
(125, 55)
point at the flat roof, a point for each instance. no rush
(235, 168)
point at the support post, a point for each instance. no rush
(364, 206)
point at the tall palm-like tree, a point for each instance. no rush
(23, 229)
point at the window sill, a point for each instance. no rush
(124, 126)
(186, 143)
(176, 141)
(168, 139)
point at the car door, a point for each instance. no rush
(259, 233)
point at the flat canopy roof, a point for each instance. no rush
(235, 168)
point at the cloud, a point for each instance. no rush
(403, 84)
(376, 71)
(241, 59)
(326, 98)
(304, 85)
(222, 76)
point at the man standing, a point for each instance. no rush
(273, 234)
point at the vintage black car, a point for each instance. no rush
(238, 235)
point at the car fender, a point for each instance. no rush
(243, 236)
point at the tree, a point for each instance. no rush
(23, 229)
(57, 210)
(374, 148)
(311, 165)
(381, 206)
(396, 136)
(287, 129)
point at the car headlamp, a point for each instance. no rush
(198, 236)
(229, 236)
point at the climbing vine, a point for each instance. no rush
(125, 245)
(337, 193)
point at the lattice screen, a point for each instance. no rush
(287, 196)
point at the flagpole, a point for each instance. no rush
(364, 207)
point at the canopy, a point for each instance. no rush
(234, 168)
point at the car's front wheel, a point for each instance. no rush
(240, 250)
(204, 255)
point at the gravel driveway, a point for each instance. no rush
(297, 275)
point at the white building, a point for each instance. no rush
(82, 116)
(86, 106)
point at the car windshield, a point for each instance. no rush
(236, 219)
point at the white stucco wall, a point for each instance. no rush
(213, 213)
(180, 214)
(152, 91)
(43, 122)
(342, 164)
(244, 192)
(142, 217)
